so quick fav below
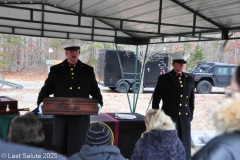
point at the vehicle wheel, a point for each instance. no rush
(123, 87)
(2, 81)
(112, 88)
(136, 87)
(204, 87)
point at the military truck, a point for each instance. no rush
(109, 73)
(208, 74)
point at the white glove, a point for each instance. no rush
(99, 108)
(40, 107)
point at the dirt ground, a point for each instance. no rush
(118, 102)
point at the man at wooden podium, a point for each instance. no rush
(71, 78)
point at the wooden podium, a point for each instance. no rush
(70, 106)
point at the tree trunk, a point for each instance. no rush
(221, 47)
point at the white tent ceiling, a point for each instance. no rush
(121, 21)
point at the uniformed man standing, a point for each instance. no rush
(71, 78)
(176, 90)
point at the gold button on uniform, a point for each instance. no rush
(186, 105)
(179, 113)
(186, 114)
(72, 77)
(187, 97)
(181, 85)
(71, 69)
(72, 73)
(180, 104)
(180, 81)
(181, 95)
(78, 87)
(70, 88)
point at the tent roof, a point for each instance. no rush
(121, 21)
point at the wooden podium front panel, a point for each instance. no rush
(70, 106)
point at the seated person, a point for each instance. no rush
(98, 145)
(226, 119)
(225, 146)
(160, 140)
(26, 129)
(23, 152)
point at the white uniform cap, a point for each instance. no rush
(179, 57)
(71, 44)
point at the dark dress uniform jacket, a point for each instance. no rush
(178, 103)
(69, 132)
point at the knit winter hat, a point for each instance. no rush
(98, 134)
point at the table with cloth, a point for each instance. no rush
(126, 131)
(5, 120)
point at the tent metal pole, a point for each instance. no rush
(141, 76)
(120, 64)
(135, 79)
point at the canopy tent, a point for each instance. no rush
(133, 22)
(121, 21)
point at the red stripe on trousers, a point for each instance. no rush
(116, 128)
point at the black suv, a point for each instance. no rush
(208, 74)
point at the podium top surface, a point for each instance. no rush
(69, 99)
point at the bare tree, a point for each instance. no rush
(154, 52)
(221, 48)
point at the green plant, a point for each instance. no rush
(195, 57)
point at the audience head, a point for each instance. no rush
(226, 117)
(235, 84)
(233, 91)
(158, 120)
(98, 134)
(26, 129)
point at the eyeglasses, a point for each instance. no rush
(231, 93)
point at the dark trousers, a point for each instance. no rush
(185, 137)
(69, 133)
